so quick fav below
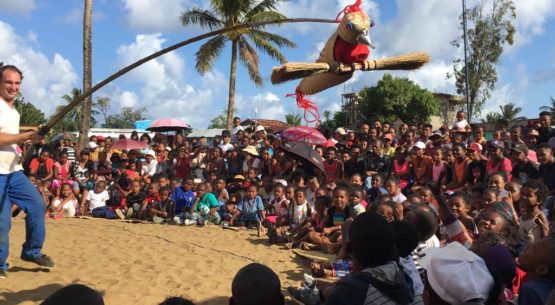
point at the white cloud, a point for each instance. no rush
(532, 15)
(264, 105)
(22, 7)
(163, 91)
(155, 15)
(46, 80)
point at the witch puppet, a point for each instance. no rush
(346, 51)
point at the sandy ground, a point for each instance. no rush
(139, 264)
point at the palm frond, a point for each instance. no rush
(263, 6)
(204, 18)
(278, 40)
(267, 48)
(265, 16)
(208, 52)
(249, 57)
(231, 9)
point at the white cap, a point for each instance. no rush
(92, 145)
(259, 128)
(341, 131)
(150, 152)
(456, 274)
(420, 145)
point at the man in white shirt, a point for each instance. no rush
(14, 186)
(226, 142)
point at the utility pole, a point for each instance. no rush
(466, 88)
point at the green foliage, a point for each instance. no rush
(102, 106)
(220, 121)
(490, 26)
(395, 97)
(72, 120)
(293, 119)
(550, 108)
(329, 122)
(125, 119)
(30, 115)
(244, 42)
(508, 113)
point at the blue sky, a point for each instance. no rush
(44, 38)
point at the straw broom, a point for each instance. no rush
(296, 70)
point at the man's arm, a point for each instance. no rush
(9, 139)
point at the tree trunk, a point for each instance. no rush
(231, 100)
(85, 123)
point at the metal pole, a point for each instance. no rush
(466, 86)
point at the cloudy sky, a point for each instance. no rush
(43, 37)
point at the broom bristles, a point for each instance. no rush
(409, 61)
(296, 70)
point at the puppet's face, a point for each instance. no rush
(355, 28)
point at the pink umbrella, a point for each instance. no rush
(303, 134)
(167, 124)
(128, 144)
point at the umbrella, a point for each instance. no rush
(303, 134)
(128, 144)
(167, 124)
(304, 152)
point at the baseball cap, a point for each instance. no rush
(259, 128)
(239, 177)
(436, 134)
(520, 147)
(150, 152)
(456, 274)
(388, 136)
(341, 131)
(533, 133)
(496, 144)
(92, 145)
(474, 147)
(420, 145)
(100, 138)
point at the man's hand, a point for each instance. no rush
(35, 137)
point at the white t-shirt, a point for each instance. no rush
(226, 147)
(9, 123)
(97, 200)
(255, 165)
(150, 168)
(68, 208)
(399, 199)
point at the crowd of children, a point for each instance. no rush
(386, 200)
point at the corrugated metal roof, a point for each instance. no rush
(207, 133)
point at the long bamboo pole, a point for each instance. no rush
(58, 116)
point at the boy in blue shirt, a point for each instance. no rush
(184, 197)
(250, 211)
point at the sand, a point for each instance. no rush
(139, 264)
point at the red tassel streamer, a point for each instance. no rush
(310, 109)
(349, 9)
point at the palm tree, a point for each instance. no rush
(293, 119)
(549, 108)
(492, 117)
(225, 13)
(509, 112)
(86, 108)
(75, 114)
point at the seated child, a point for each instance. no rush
(134, 200)
(392, 187)
(184, 198)
(250, 211)
(152, 197)
(205, 208)
(357, 200)
(65, 204)
(330, 239)
(377, 188)
(537, 260)
(96, 202)
(278, 209)
(161, 210)
(489, 196)
(228, 210)
(220, 191)
(459, 206)
(256, 284)
(533, 222)
(386, 210)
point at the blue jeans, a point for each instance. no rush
(16, 188)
